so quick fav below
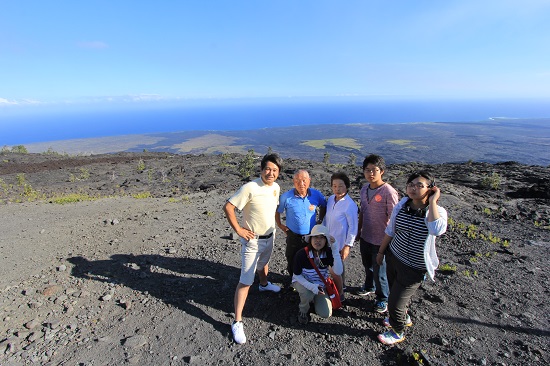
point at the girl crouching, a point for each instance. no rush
(305, 279)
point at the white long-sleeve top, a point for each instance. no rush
(341, 220)
(435, 229)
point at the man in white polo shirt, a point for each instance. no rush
(258, 201)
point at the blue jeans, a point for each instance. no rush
(375, 275)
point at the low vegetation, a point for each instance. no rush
(17, 149)
(247, 166)
(492, 181)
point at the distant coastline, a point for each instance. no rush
(54, 123)
(523, 140)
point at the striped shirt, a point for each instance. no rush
(302, 266)
(410, 237)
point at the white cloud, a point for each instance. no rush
(93, 44)
(5, 102)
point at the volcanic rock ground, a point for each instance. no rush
(128, 280)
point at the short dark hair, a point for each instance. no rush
(342, 176)
(424, 174)
(375, 160)
(273, 158)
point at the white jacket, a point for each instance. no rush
(435, 229)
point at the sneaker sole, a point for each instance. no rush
(391, 344)
(365, 293)
(266, 290)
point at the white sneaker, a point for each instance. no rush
(238, 332)
(270, 287)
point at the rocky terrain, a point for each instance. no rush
(128, 259)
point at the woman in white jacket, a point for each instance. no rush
(323, 250)
(409, 247)
(341, 219)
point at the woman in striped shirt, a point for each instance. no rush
(409, 247)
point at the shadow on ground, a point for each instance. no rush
(185, 282)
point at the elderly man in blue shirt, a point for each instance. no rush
(305, 207)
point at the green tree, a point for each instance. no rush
(19, 149)
(247, 165)
(491, 182)
(326, 158)
(225, 160)
(352, 160)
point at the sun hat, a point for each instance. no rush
(318, 230)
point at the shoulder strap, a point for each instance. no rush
(314, 266)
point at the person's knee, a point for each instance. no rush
(323, 306)
(324, 313)
(243, 286)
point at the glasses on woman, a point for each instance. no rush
(415, 185)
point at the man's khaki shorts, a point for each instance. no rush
(255, 255)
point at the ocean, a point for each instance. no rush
(51, 123)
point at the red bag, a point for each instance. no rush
(330, 286)
(332, 292)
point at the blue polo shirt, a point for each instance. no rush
(301, 212)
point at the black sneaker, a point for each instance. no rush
(365, 292)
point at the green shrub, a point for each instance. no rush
(326, 158)
(30, 193)
(142, 195)
(352, 159)
(20, 178)
(84, 174)
(4, 186)
(141, 165)
(51, 151)
(247, 166)
(491, 182)
(447, 268)
(225, 159)
(71, 198)
(19, 149)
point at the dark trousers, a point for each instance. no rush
(404, 281)
(375, 275)
(294, 242)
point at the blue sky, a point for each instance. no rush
(55, 52)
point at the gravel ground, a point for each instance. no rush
(128, 280)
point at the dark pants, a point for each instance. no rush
(404, 281)
(294, 242)
(375, 275)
